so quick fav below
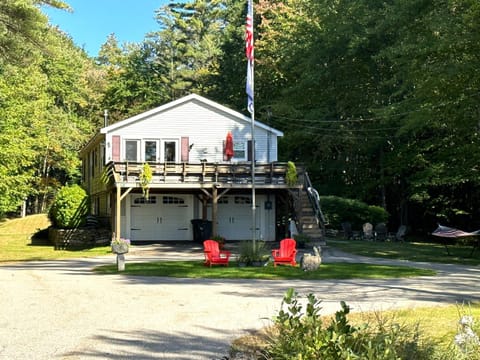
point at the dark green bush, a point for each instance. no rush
(301, 334)
(69, 208)
(338, 210)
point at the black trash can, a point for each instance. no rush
(202, 230)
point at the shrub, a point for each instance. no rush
(338, 210)
(69, 208)
(303, 335)
(249, 254)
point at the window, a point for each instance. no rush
(243, 200)
(151, 150)
(170, 150)
(173, 200)
(149, 200)
(131, 150)
(240, 150)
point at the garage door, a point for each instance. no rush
(161, 217)
(235, 216)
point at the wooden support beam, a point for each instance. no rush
(118, 210)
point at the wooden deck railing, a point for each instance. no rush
(174, 173)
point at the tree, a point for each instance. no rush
(22, 26)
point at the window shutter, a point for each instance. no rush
(225, 158)
(185, 149)
(116, 148)
(249, 150)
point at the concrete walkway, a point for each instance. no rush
(61, 310)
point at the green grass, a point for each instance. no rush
(18, 242)
(196, 269)
(413, 251)
(439, 323)
(436, 324)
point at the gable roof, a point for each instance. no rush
(181, 101)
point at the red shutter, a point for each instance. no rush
(115, 148)
(185, 149)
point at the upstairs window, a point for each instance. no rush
(151, 150)
(240, 150)
(131, 150)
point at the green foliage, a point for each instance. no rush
(338, 210)
(250, 252)
(302, 334)
(70, 207)
(291, 176)
(146, 177)
(46, 101)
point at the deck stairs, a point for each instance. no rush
(310, 219)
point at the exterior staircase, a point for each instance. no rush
(310, 219)
(308, 222)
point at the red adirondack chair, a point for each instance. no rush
(286, 253)
(213, 254)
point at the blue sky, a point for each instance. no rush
(93, 20)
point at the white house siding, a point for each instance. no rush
(202, 126)
(205, 127)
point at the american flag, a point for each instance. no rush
(249, 53)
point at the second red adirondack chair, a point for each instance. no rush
(286, 254)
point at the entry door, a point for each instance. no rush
(170, 151)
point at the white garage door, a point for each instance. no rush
(235, 216)
(161, 217)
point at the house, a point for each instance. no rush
(199, 153)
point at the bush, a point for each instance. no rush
(249, 254)
(69, 208)
(338, 210)
(303, 335)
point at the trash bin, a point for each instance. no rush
(202, 230)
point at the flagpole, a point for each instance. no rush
(254, 219)
(250, 105)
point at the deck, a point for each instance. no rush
(203, 175)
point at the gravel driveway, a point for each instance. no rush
(61, 310)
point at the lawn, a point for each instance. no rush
(438, 324)
(20, 241)
(413, 251)
(196, 269)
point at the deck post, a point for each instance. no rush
(118, 213)
(214, 210)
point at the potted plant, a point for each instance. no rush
(145, 178)
(250, 255)
(291, 176)
(120, 246)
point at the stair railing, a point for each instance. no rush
(314, 199)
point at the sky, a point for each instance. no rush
(92, 21)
